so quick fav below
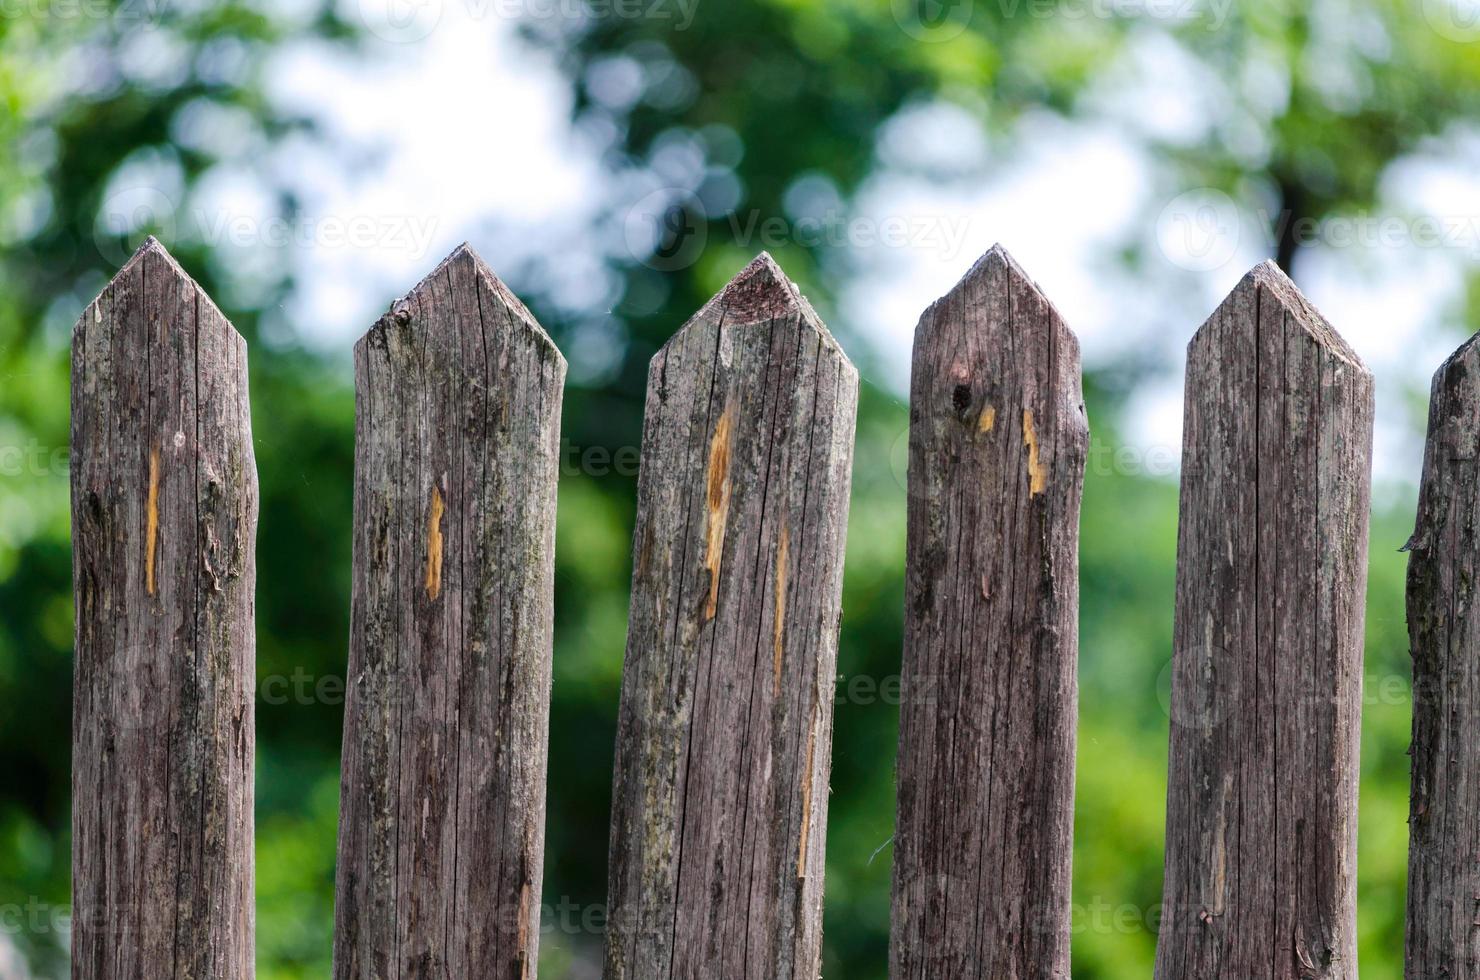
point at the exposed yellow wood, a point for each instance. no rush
(719, 507)
(434, 544)
(807, 794)
(1037, 472)
(151, 530)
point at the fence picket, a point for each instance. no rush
(164, 518)
(1267, 672)
(441, 843)
(724, 742)
(998, 439)
(1444, 631)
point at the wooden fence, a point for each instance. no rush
(723, 753)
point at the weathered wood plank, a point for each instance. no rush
(164, 520)
(1444, 632)
(1267, 675)
(457, 431)
(998, 439)
(724, 742)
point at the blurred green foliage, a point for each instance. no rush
(771, 90)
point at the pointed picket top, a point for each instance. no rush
(1456, 382)
(151, 254)
(1461, 363)
(995, 261)
(465, 267)
(1454, 396)
(1244, 304)
(759, 293)
(996, 340)
(998, 273)
(152, 246)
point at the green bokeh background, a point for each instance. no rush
(801, 87)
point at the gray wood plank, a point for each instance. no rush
(724, 742)
(1267, 674)
(1443, 938)
(164, 519)
(457, 431)
(998, 440)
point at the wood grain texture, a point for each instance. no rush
(724, 741)
(441, 838)
(1444, 634)
(984, 832)
(164, 520)
(1267, 668)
